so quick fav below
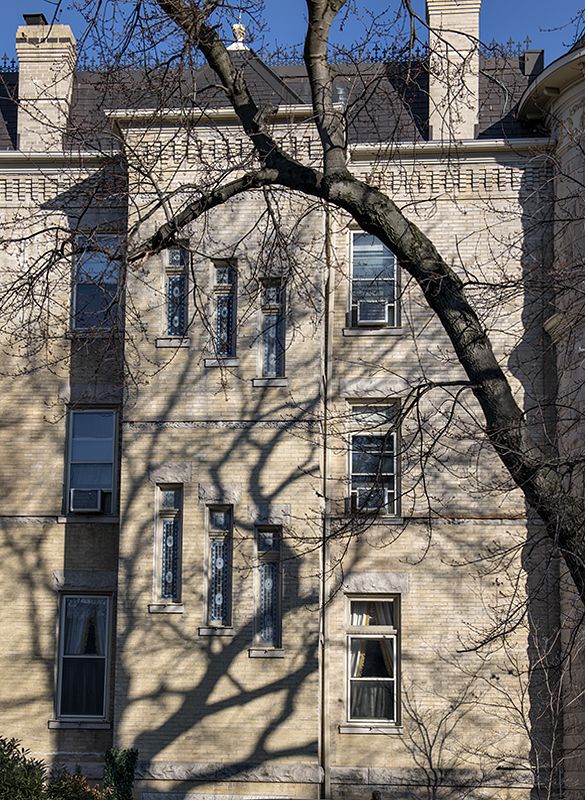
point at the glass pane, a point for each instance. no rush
(269, 621)
(85, 626)
(96, 267)
(372, 700)
(369, 497)
(268, 540)
(95, 305)
(92, 450)
(225, 275)
(95, 256)
(225, 307)
(372, 612)
(93, 424)
(176, 306)
(366, 290)
(372, 658)
(371, 258)
(371, 417)
(372, 455)
(170, 559)
(82, 687)
(178, 257)
(171, 498)
(220, 520)
(219, 584)
(273, 345)
(272, 294)
(91, 476)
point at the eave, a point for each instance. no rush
(552, 82)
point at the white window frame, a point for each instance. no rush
(104, 246)
(109, 494)
(177, 293)
(63, 657)
(375, 492)
(389, 636)
(219, 545)
(268, 562)
(392, 319)
(168, 526)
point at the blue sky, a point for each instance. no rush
(500, 20)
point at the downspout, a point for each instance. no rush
(325, 736)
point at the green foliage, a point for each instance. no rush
(21, 777)
(119, 773)
(64, 786)
(24, 778)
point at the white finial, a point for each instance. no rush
(239, 35)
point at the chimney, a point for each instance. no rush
(454, 68)
(46, 57)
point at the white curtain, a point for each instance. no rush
(80, 614)
(372, 658)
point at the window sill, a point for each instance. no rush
(173, 341)
(365, 331)
(83, 725)
(104, 519)
(384, 729)
(374, 518)
(259, 382)
(166, 608)
(269, 652)
(222, 362)
(211, 631)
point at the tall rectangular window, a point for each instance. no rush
(220, 566)
(372, 660)
(95, 285)
(170, 503)
(91, 467)
(273, 331)
(268, 601)
(225, 309)
(373, 462)
(373, 283)
(178, 260)
(83, 657)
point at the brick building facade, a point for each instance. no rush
(250, 524)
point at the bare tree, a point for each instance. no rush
(505, 423)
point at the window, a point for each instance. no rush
(178, 260)
(95, 295)
(373, 283)
(225, 311)
(170, 502)
(220, 573)
(373, 469)
(372, 660)
(92, 451)
(83, 657)
(268, 604)
(273, 331)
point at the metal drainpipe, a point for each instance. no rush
(325, 737)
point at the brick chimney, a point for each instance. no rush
(454, 68)
(46, 57)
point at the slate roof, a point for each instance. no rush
(384, 101)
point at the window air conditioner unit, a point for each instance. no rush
(86, 501)
(372, 498)
(372, 312)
